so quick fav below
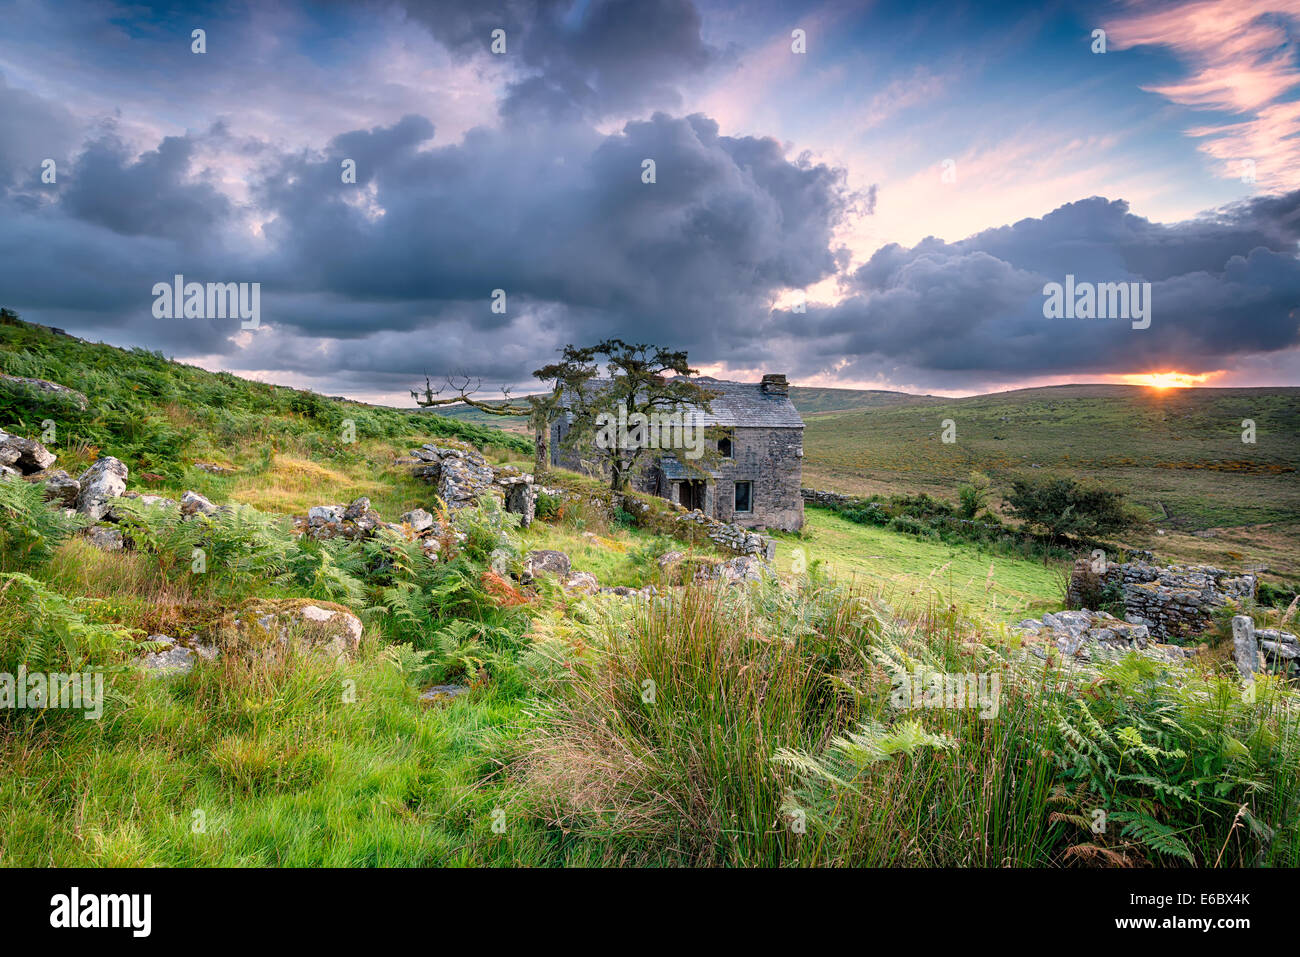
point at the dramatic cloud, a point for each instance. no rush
(523, 172)
(563, 223)
(1222, 286)
(589, 60)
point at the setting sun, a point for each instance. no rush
(1170, 380)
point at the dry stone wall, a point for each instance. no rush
(463, 476)
(732, 537)
(813, 496)
(1173, 601)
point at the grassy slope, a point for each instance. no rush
(1178, 453)
(160, 417)
(913, 573)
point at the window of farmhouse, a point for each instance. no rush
(744, 496)
(724, 444)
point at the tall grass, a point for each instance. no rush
(720, 728)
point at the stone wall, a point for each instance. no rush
(463, 476)
(813, 496)
(772, 459)
(732, 537)
(1173, 601)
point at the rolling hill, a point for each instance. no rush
(1179, 453)
(809, 400)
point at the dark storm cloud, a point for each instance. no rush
(557, 216)
(561, 219)
(1223, 285)
(31, 130)
(581, 59)
(152, 195)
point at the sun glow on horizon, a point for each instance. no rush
(1170, 380)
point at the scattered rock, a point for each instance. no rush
(1245, 650)
(192, 503)
(742, 568)
(168, 661)
(15, 383)
(102, 482)
(214, 469)
(418, 520)
(172, 658)
(276, 624)
(324, 514)
(583, 583)
(59, 487)
(105, 537)
(26, 455)
(357, 520)
(441, 694)
(147, 501)
(546, 561)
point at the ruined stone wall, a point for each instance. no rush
(813, 496)
(732, 537)
(463, 476)
(1173, 601)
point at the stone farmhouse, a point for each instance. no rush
(755, 479)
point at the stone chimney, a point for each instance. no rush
(774, 384)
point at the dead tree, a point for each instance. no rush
(539, 410)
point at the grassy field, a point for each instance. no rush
(1178, 453)
(912, 572)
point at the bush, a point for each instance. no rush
(973, 495)
(1067, 506)
(548, 506)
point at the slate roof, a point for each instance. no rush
(742, 405)
(677, 471)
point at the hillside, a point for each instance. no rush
(279, 446)
(596, 689)
(1176, 452)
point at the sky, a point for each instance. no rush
(866, 195)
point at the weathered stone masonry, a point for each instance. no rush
(1175, 601)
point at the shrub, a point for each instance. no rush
(547, 506)
(1068, 506)
(973, 495)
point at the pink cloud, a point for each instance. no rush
(1241, 62)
